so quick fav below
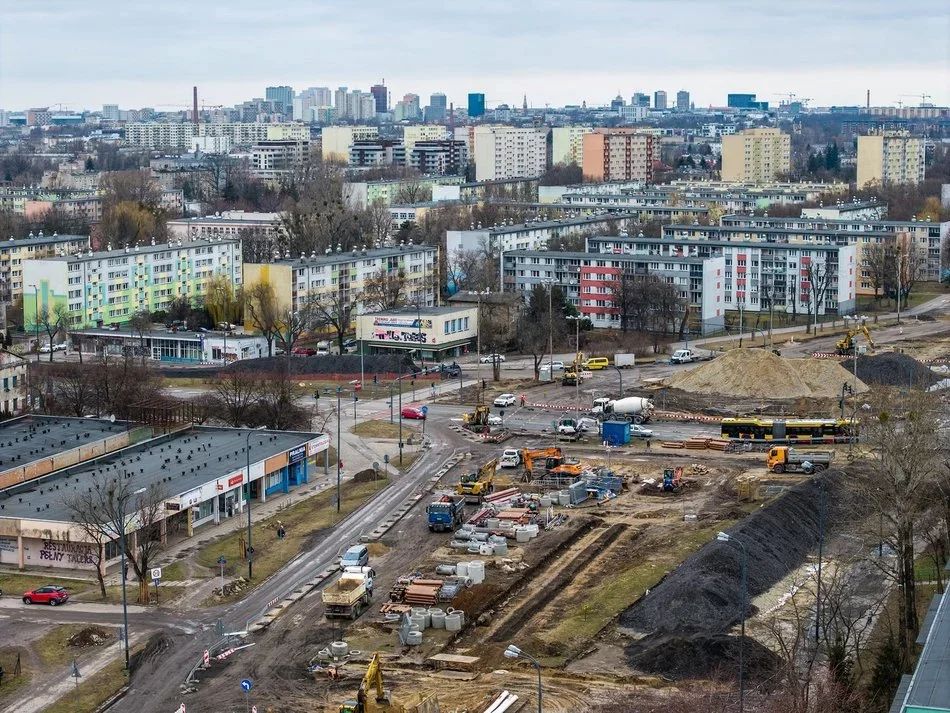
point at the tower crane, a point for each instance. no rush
(923, 98)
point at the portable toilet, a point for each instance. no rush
(615, 433)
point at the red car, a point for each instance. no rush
(411, 412)
(49, 594)
(304, 351)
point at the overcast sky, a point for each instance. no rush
(85, 54)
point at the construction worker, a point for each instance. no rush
(648, 444)
(522, 400)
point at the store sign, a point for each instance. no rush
(235, 480)
(191, 498)
(298, 453)
(172, 505)
(402, 322)
(318, 445)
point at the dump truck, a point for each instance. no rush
(347, 597)
(446, 513)
(782, 459)
(634, 409)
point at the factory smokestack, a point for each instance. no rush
(195, 115)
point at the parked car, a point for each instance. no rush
(356, 556)
(304, 351)
(510, 458)
(413, 412)
(555, 365)
(349, 343)
(46, 349)
(492, 358)
(595, 363)
(61, 347)
(50, 594)
(638, 431)
(494, 420)
(504, 400)
(450, 371)
(323, 352)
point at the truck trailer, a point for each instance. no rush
(347, 597)
(782, 459)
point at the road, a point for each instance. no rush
(156, 688)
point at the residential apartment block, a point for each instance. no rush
(890, 157)
(756, 155)
(13, 253)
(13, 393)
(377, 152)
(422, 132)
(271, 160)
(618, 155)
(296, 280)
(336, 140)
(567, 144)
(109, 286)
(529, 236)
(360, 194)
(438, 158)
(160, 135)
(503, 152)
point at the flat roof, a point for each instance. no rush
(556, 223)
(162, 333)
(87, 256)
(736, 228)
(600, 256)
(181, 462)
(41, 240)
(31, 438)
(734, 219)
(930, 683)
(215, 219)
(672, 240)
(413, 312)
(351, 255)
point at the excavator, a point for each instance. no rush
(362, 704)
(846, 345)
(572, 372)
(480, 483)
(555, 462)
(477, 420)
(381, 703)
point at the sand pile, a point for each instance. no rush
(759, 373)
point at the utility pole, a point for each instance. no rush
(551, 331)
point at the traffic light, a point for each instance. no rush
(375, 378)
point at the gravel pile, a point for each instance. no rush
(759, 373)
(699, 601)
(701, 656)
(895, 369)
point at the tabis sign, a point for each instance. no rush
(298, 453)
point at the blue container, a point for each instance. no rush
(615, 433)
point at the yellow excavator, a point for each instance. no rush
(479, 483)
(846, 345)
(477, 420)
(572, 371)
(362, 704)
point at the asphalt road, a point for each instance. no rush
(155, 688)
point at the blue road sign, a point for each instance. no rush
(424, 410)
(246, 684)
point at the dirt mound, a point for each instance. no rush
(895, 369)
(702, 656)
(366, 476)
(90, 636)
(153, 652)
(760, 373)
(701, 597)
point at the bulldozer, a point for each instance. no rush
(477, 420)
(846, 345)
(480, 483)
(381, 703)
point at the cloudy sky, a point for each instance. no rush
(85, 54)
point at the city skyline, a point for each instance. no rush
(832, 63)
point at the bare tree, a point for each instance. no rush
(410, 192)
(262, 312)
(876, 260)
(220, 299)
(74, 387)
(539, 326)
(334, 310)
(277, 407)
(819, 278)
(385, 289)
(53, 321)
(236, 393)
(121, 509)
(380, 220)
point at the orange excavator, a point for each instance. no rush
(555, 461)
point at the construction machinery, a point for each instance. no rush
(555, 462)
(446, 513)
(477, 420)
(672, 478)
(782, 459)
(362, 703)
(477, 485)
(347, 597)
(846, 345)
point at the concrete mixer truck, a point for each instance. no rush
(635, 409)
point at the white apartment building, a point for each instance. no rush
(109, 286)
(422, 132)
(756, 155)
(503, 152)
(567, 144)
(890, 157)
(211, 144)
(159, 135)
(336, 140)
(271, 159)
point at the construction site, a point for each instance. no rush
(615, 574)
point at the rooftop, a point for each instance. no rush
(161, 333)
(738, 228)
(179, 462)
(557, 223)
(226, 219)
(930, 685)
(415, 312)
(576, 255)
(31, 438)
(90, 255)
(41, 240)
(351, 255)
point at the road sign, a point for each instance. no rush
(253, 709)
(206, 658)
(156, 582)
(156, 572)
(221, 560)
(246, 684)
(76, 673)
(375, 465)
(424, 410)
(181, 708)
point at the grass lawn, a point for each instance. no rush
(166, 592)
(186, 382)
(13, 585)
(613, 595)
(52, 648)
(378, 429)
(11, 683)
(175, 572)
(93, 691)
(300, 521)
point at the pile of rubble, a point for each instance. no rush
(233, 587)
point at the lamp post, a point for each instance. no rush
(247, 452)
(36, 320)
(577, 349)
(478, 341)
(125, 606)
(339, 461)
(725, 537)
(513, 652)
(821, 545)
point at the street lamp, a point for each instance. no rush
(478, 339)
(821, 544)
(725, 537)
(577, 349)
(36, 320)
(339, 460)
(247, 453)
(513, 652)
(125, 606)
